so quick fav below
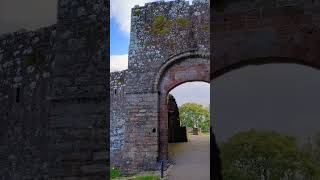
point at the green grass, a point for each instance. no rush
(206, 133)
(114, 173)
(147, 178)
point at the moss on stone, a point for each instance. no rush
(137, 12)
(206, 27)
(161, 25)
(183, 22)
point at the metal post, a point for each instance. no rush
(161, 168)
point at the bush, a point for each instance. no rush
(114, 173)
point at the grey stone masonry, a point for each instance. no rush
(162, 33)
(53, 84)
(117, 115)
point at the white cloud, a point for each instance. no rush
(118, 62)
(121, 12)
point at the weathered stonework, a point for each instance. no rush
(169, 46)
(117, 116)
(284, 31)
(53, 97)
(176, 133)
(24, 83)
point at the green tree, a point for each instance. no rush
(312, 146)
(316, 147)
(266, 155)
(195, 115)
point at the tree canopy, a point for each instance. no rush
(266, 155)
(195, 115)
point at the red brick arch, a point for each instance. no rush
(182, 68)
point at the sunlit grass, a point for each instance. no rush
(147, 178)
(114, 173)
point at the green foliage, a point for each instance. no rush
(265, 155)
(195, 115)
(114, 173)
(147, 178)
(183, 22)
(313, 147)
(161, 25)
(316, 149)
(137, 12)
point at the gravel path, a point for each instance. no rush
(191, 159)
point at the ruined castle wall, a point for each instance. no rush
(79, 113)
(117, 115)
(53, 84)
(24, 79)
(159, 30)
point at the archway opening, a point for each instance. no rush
(265, 107)
(189, 127)
(182, 68)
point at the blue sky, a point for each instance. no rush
(120, 31)
(119, 40)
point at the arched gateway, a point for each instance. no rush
(180, 69)
(169, 46)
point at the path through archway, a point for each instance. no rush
(188, 107)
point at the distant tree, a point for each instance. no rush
(316, 147)
(195, 115)
(312, 146)
(266, 155)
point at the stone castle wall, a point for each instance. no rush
(164, 34)
(117, 116)
(53, 97)
(159, 32)
(24, 88)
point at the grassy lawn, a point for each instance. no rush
(147, 178)
(116, 174)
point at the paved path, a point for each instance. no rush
(191, 159)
